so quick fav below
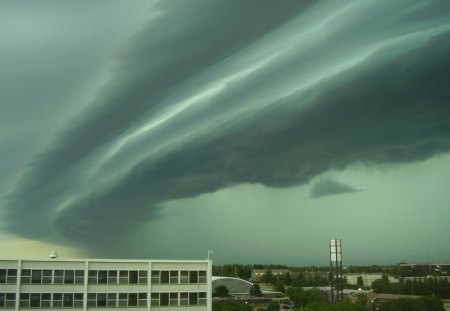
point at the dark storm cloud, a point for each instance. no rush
(330, 187)
(276, 97)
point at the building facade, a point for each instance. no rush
(91, 284)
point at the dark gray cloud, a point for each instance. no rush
(330, 187)
(276, 97)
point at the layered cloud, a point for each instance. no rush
(214, 94)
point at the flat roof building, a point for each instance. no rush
(91, 284)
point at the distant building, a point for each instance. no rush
(257, 274)
(235, 286)
(368, 278)
(88, 284)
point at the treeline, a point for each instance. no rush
(242, 271)
(402, 304)
(428, 287)
(245, 271)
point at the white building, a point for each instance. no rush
(91, 284)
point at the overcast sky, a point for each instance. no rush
(256, 129)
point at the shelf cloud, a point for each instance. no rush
(208, 95)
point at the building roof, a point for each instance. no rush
(235, 286)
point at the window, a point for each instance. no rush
(202, 298)
(202, 277)
(92, 300)
(78, 300)
(101, 300)
(92, 277)
(173, 277)
(24, 300)
(193, 301)
(112, 299)
(26, 276)
(47, 276)
(36, 276)
(69, 277)
(57, 300)
(155, 299)
(123, 300)
(79, 276)
(123, 277)
(7, 300)
(184, 277)
(133, 277)
(193, 277)
(8, 276)
(143, 276)
(58, 277)
(132, 300)
(3, 274)
(35, 300)
(112, 277)
(155, 277)
(184, 299)
(46, 300)
(142, 299)
(173, 299)
(164, 277)
(67, 300)
(12, 276)
(163, 299)
(102, 277)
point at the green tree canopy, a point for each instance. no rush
(231, 306)
(407, 304)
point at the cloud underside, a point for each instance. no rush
(330, 187)
(179, 122)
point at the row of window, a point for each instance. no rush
(70, 300)
(47, 300)
(178, 299)
(117, 277)
(52, 276)
(117, 300)
(47, 276)
(178, 277)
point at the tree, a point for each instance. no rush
(298, 296)
(269, 277)
(360, 281)
(220, 291)
(361, 299)
(231, 306)
(279, 287)
(273, 306)
(339, 306)
(301, 297)
(381, 285)
(288, 279)
(408, 304)
(255, 291)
